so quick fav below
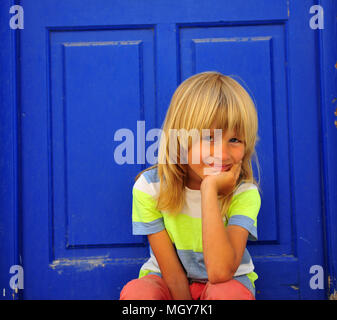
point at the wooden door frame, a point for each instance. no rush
(327, 62)
(9, 151)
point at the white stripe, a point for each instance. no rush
(192, 206)
(245, 268)
(149, 188)
(151, 264)
(244, 187)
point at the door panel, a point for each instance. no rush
(89, 69)
(254, 55)
(91, 99)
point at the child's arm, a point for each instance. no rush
(223, 246)
(170, 266)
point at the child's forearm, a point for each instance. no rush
(179, 288)
(219, 255)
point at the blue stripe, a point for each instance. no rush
(156, 273)
(193, 263)
(142, 228)
(246, 258)
(151, 176)
(245, 222)
(246, 282)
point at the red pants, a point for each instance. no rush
(153, 287)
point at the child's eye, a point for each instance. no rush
(235, 140)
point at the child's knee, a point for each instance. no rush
(229, 290)
(146, 288)
(130, 290)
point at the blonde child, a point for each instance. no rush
(198, 215)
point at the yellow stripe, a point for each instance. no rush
(144, 207)
(185, 230)
(247, 204)
(252, 276)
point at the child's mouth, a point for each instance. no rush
(220, 167)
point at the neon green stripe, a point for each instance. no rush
(143, 273)
(247, 204)
(185, 230)
(144, 207)
(252, 276)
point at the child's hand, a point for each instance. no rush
(224, 182)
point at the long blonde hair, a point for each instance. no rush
(204, 99)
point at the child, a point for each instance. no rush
(198, 215)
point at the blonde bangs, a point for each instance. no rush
(221, 103)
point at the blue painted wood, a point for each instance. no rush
(327, 48)
(305, 150)
(9, 153)
(87, 70)
(278, 278)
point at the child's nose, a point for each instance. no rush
(221, 152)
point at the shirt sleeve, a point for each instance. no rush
(146, 219)
(244, 209)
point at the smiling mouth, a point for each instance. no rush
(220, 167)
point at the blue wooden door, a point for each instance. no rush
(89, 68)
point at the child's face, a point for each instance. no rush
(224, 149)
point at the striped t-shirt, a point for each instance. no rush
(185, 229)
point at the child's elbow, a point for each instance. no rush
(220, 276)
